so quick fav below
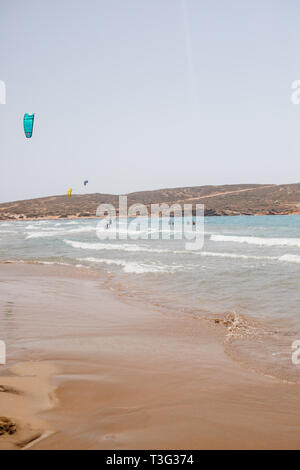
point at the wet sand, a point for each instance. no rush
(93, 370)
(24, 392)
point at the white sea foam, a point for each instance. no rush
(60, 263)
(39, 222)
(50, 263)
(140, 248)
(111, 246)
(35, 226)
(38, 227)
(57, 232)
(257, 240)
(40, 235)
(132, 266)
(72, 222)
(234, 255)
(290, 258)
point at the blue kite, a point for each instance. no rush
(28, 125)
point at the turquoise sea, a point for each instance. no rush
(247, 264)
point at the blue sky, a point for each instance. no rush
(145, 94)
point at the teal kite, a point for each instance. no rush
(28, 125)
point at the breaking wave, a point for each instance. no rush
(234, 255)
(290, 258)
(58, 232)
(111, 246)
(132, 266)
(257, 240)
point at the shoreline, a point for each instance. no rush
(125, 375)
(91, 217)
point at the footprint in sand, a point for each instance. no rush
(8, 389)
(7, 426)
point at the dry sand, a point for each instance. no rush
(88, 369)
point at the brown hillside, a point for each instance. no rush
(218, 200)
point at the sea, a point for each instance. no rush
(247, 272)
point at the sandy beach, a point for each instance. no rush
(90, 369)
(149, 227)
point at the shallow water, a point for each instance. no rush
(248, 265)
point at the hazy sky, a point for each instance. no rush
(146, 94)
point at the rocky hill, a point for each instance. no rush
(218, 200)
